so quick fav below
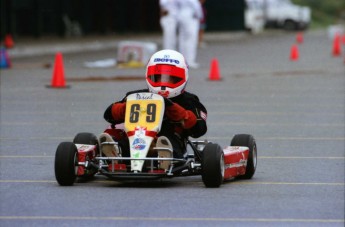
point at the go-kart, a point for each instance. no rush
(151, 156)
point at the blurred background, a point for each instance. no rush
(64, 18)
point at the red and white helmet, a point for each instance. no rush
(167, 73)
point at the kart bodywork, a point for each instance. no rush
(151, 156)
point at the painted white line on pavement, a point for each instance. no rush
(280, 220)
(238, 182)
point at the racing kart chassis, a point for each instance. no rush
(178, 166)
(151, 156)
(74, 160)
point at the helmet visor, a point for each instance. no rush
(165, 75)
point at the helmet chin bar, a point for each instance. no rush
(164, 93)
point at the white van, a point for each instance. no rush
(282, 14)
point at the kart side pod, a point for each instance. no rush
(235, 161)
(84, 150)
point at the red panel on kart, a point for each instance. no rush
(83, 151)
(117, 167)
(157, 171)
(81, 158)
(235, 161)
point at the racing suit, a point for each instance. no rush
(185, 108)
(189, 16)
(168, 21)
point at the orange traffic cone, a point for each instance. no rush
(58, 80)
(8, 41)
(299, 37)
(294, 53)
(336, 51)
(4, 59)
(214, 71)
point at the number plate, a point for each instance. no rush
(144, 110)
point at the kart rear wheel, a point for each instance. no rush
(212, 165)
(66, 163)
(246, 140)
(85, 138)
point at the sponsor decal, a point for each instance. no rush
(140, 131)
(144, 96)
(166, 59)
(84, 147)
(237, 164)
(139, 144)
(203, 115)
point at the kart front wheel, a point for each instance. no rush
(246, 140)
(212, 165)
(89, 139)
(66, 163)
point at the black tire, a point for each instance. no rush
(66, 161)
(212, 165)
(85, 138)
(290, 25)
(246, 140)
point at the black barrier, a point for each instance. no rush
(82, 17)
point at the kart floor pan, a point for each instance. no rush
(133, 176)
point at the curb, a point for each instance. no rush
(39, 47)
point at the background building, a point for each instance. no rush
(35, 18)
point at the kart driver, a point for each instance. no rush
(167, 75)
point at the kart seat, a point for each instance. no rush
(166, 151)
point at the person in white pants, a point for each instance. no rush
(189, 15)
(168, 19)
